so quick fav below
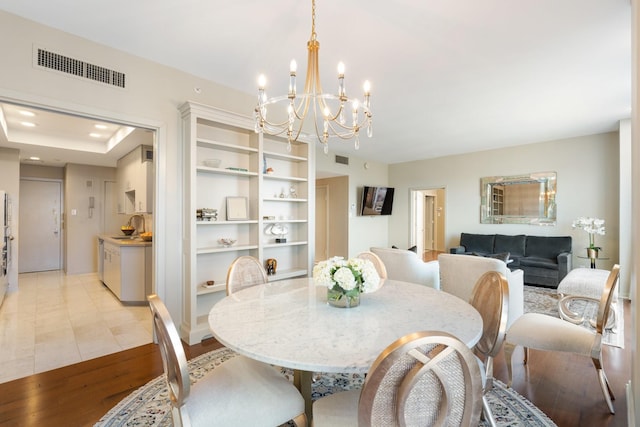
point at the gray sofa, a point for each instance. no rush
(544, 260)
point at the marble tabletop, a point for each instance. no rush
(289, 323)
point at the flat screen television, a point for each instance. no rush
(376, 201)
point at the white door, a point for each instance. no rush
(40, 245)
(429, 223)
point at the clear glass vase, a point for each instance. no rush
(340, 298)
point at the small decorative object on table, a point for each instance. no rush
(592, 226)
(346, 280)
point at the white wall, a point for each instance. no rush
(588, 185)
(364, 231)
(81, 230)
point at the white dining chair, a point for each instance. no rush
(543, 332)
(377, 263)
(244, 272)
(490, 296)
(238, 392)
(427, 363)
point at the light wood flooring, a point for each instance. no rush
(563, 386)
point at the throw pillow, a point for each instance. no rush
(412, 248)
(504, 256)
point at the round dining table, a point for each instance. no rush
(289, 323)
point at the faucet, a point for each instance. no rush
(143, 223)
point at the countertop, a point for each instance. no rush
(123, 240)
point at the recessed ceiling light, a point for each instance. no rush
(34, 158)
(94, 135)
(27, 113)
(28, 124)
(101, 127)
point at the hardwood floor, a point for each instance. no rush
(563, 386)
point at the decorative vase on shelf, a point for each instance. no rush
(592, 253)
(343, 299)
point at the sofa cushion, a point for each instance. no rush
(547, 247)
(479, 243)
(531, 261)
(515, 245)
(503, 256)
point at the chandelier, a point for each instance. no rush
(329, 112)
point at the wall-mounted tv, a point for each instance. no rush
(376, 201)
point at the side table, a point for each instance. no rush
(593, 260)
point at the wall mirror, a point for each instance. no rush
(519, 199)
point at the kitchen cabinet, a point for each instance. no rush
(126, 268)
(135, 181)
(224, 157)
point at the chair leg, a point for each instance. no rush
(300, 420)
(508, 352)
(489, 373)
(487, 414)
(604, 384)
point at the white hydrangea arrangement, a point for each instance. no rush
(352, 276)
(592, 226)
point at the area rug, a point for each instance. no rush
(149, 405)
(545, 301)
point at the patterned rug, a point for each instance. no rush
(149, 405)
(545, 300)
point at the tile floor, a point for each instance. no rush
(54, 320)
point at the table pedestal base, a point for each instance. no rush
(302, 380)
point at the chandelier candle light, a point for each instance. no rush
(592, 226)
(346, 280)
(331, 107)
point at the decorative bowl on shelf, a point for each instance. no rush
(212, 163)
(147, 237)
(227, 241)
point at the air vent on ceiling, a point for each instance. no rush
(78, 68)
(343, 160)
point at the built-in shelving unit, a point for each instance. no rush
(276, 184)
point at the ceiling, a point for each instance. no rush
(448, 76)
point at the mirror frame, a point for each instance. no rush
(547, 209)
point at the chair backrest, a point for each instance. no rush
(244, 272)
(424, 378)
(490, 297)
(174, 360)
(376, 261)
(406, 266)
(460, 273)
(607, 297)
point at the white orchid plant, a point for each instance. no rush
(592, 226)
(350, 277)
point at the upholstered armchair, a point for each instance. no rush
(407, 266)
(459, 274)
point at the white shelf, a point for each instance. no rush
(283, 178)
(211, 133)
(281, 156)
(215, 288)
(287, 274)
(283, 199)
(219, 249)
(251, 221)
(208, 143)
(278, 221)
(280, 245)
(221, 171)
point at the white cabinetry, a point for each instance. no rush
(126, 271)
(135, 181)
(277, 200)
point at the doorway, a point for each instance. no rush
(428, 221)
(40, 225)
